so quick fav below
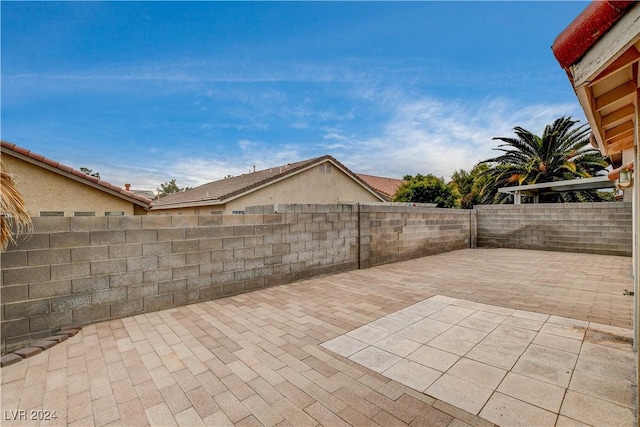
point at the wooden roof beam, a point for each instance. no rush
(618, 94)
(621, 145)
(623, 129)
(618, 117)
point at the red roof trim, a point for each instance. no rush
(83, 176)
(580, 36)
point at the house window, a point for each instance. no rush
(238, 212)
(84, 214)
(114, 213)
(218, 212)
(51, 213)
(325, 168)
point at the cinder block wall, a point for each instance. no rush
(598, 228)
(79, 270)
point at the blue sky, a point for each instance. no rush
(144, 92)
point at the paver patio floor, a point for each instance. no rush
(258, 359)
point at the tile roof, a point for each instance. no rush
(387, 186)
(217, 192)
(16, 151)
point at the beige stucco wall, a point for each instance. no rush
(44, 190)
(310, 186)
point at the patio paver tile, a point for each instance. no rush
(478, 373)
(460, 393)
(594, 411)
(434, 358)
(507, 411)
(375, 359)
(535, 392)
(412, 374)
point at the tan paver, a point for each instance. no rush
(268, 357)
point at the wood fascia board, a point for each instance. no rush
(624, 144)
(615, 42)
(619, 94)
(629, 57)
(585, 101)
(73, 177)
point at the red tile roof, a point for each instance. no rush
(387, 186)
(588, 27)
(217, 192)
(12, 149)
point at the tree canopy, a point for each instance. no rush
(561, 153)
(426, 189)
(170, 187)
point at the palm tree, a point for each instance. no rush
(561, 153)
(14, 216)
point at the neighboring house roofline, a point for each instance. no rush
(386, 186)
(287, 171)
(29, 156)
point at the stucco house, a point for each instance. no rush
(600, 52)
(322, 180)
(50, 188)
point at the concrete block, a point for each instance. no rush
(158, 303)
(14, 259)
(127, 222)
(15, 328)
(210, 244)
(181, 246)
(243, 253)
(251, 241)
(170, 234)
(272, 260)
(69, 239)
(209, 220)
(235, 288)
(88, 223)
(210, 293)
(263, 250)
(69, 302)
(185, 272)
(130, 278)
(141, 236)
(184, 221)
(128, 308)
(107, 237)
(26, 275)
(252, 263)
(186, 297)
(222, 278)
(141, 291)
(173, 260)
(157, 275)
(51, 224)
(222, 231)
(199, 282)
(126, 250)
(26, 309)
(88, 284)
(155, 221)
(110, 266)
(232, 242)
(172, 286)
(27, 352)
(244, 230)
(47, 289)
(233, 265)
(156, 248)
(91, 314)
(211, 267)
(27, 242)
(15, 293)
(199, 257)
(197, 232)
(224, 255)
(232, 219)
(9, 359)
(281, 248)
(142, 263)
(109, 296)
(91, 253)
(49, 256)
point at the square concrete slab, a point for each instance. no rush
(367, 334)
(344, 345)
(388, 325)
(560, 343)
(575, 332)
(375, 359)
(546, 364)
(478, 373)
(412, 374)
(620, 391)
(593, 411)
(452, 314)
(460, 393)
(494, 356)
(539, 393)
(507, 411)
(520, 322)
(398, 345)
(434, 358)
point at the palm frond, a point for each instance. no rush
(14, 217)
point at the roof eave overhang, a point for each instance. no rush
(75, 178)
